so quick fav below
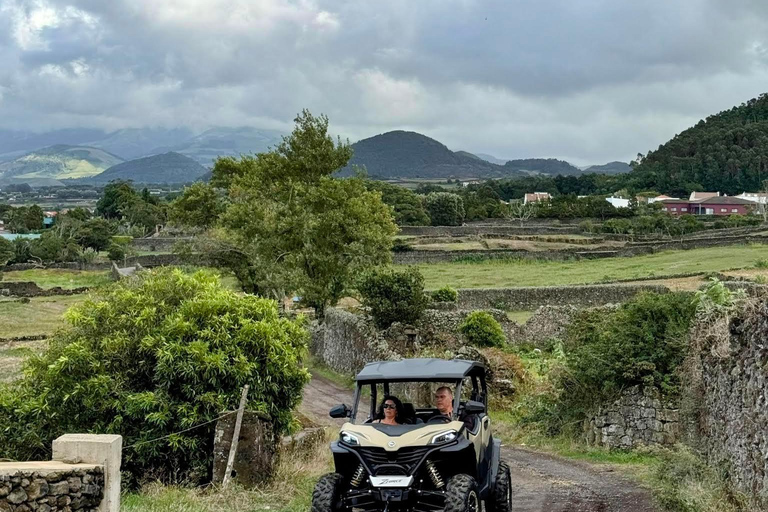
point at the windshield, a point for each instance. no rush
(408, 402)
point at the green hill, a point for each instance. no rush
(533, 166)
(726, 152)
(401, 154)
(58, 162)
(165, 168)
(609, 168)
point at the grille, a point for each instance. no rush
(407, 458)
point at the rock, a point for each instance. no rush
(74, 483)
(58, 488)
(63, 501)
(18, 495)
(37, 489)
(4, 490)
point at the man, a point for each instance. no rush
(444, 406)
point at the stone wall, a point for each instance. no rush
(530, 298)
(428, 256)
(165, 244)
(84, 475)
(488, 230)
(345, 342)
(52, 487)
(31, 289)
(726, 383)
(640, 416)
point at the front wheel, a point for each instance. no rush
(461, 494)
(501, 499)
(327, 496)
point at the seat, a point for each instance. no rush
(409, 413)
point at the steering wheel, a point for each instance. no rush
(439, 419)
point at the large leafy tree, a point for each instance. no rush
(445, 209)
(291, 226)
(199, 206)
(151, 358)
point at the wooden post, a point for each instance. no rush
(235, 438)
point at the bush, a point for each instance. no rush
(393, 296)
(116, 252)
(7, 251)
(482, 330)
(400, 245)
(445, 294)
(641, 342)
(156, 356)
(445, 209)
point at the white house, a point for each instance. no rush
(755, 197)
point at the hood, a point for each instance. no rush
(391, 438)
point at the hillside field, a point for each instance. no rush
(511, 273)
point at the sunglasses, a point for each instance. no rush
(389, 406)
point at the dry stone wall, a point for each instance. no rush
(532, 297)
(640, 416)
(728, 391)
(68, 488)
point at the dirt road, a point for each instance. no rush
(542, 483)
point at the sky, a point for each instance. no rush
(588, 81)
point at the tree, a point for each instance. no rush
(199, 206)
(151, 358)
(521, 212)
(393, 296)
(6, 251)
(115, 199)
(445, 209)
(407, 206)
(291, 226)
(95, 234)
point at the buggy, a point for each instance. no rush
(428, 462)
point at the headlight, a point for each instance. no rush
(348, 438)
(444, 437)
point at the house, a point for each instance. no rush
(755, 197)
(662, 197)
(536, 197)
(713, 205)
(618, 202)
(701, 196)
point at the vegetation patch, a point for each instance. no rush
(64, 278)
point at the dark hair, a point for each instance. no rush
(399, 412)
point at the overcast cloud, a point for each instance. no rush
(584, 80)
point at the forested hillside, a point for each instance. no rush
(726, 152)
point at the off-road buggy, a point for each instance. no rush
(429, 462)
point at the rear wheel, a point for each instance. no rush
(501, 498)
(461, 494)
(327, 496)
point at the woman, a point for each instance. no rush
(390, 411)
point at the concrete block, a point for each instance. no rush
(105, 450)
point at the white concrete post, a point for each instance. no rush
(105, 450)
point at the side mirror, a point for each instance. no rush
(341, 411)
(473, 407)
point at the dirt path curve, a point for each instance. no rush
(541, 482)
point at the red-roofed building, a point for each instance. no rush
(712, 205)
(536, 197)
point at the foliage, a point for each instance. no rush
(683, 482)
(7, 251)
(50, 247)
(482, 330)
(392, 295)
(23, 219)
(716, 298)
(643, 341)
(445, 209)
(445, 294)
(291, 226)
(115, 199)
(153, 357)
(95, 233)
(116, 252)
(407, 206)
(199, 206)
(120, 201)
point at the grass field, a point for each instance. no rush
(40, 316)
(67, 279)
(509, 273)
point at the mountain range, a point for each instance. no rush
(154, 155)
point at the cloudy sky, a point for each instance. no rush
(584, 80)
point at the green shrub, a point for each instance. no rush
(153, 357)
(116, 252)
(393, 296)
(641, 342)
(445, 209)
(7, 251)
(482, 330)
(761, 263)
(122, 239)
(445, 294)
(400, 245)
